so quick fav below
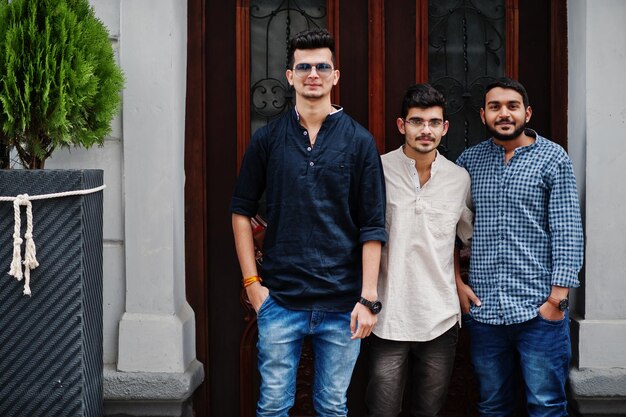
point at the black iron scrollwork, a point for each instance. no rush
(466, 49)
(272, 23)
(270, 97)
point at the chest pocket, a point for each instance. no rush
(441, 219)
(333, 181)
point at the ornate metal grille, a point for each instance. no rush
(466, 51)
(272, 24)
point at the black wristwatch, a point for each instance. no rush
(374, 306)
(560, 304)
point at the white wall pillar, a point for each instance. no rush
(157, 330)
(597, 37)
(149, 329)
(597, 143)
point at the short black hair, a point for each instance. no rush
(511, 84)
(310, 39)
(423, 96)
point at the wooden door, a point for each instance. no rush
(382, 47)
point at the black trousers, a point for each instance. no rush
(431, 368)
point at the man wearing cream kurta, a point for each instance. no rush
(427, 207)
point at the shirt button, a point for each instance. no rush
(311, 163)
(305, 133)
(308, 149)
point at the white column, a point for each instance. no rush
(597, 144)
(157, 329)
(597, 137)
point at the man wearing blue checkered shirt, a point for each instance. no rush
(526, 253)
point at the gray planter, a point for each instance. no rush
(51, 342)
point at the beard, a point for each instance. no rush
(423, 148)
(506, 136)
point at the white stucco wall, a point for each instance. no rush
(148, 325)
(597, 143)
(110, 159)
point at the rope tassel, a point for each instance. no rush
(16, 263)
(30, 251)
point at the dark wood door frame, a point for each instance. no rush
(195, 191)
(558, 71)
(376, 73)
(197, 207)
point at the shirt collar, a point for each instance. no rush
(529, 132)
(331, 116)
(411, 162)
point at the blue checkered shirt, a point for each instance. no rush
(527, 231)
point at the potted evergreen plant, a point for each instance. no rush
(59, 87)
(59, 82)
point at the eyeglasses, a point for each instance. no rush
(303, 70)
(420, 123)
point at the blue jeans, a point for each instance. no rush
(544, 351)
(281, 333)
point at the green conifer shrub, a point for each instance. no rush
(59, 82)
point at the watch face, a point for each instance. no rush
(563, 304)
(376, 307)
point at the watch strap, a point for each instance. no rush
(560, 304)
(367, 303)
(373, 306)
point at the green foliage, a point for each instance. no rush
(59, 83)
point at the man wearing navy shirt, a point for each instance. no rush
(526, 252)
(325, 196)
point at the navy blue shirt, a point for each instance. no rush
(323, 202)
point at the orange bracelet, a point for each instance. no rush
(250, 280)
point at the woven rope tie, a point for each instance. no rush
(30, 250)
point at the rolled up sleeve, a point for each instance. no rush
(252, 177)
(372, 197)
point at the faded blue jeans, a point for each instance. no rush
(544, 355)
(281, 333)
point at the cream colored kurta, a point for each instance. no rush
(416, 283)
